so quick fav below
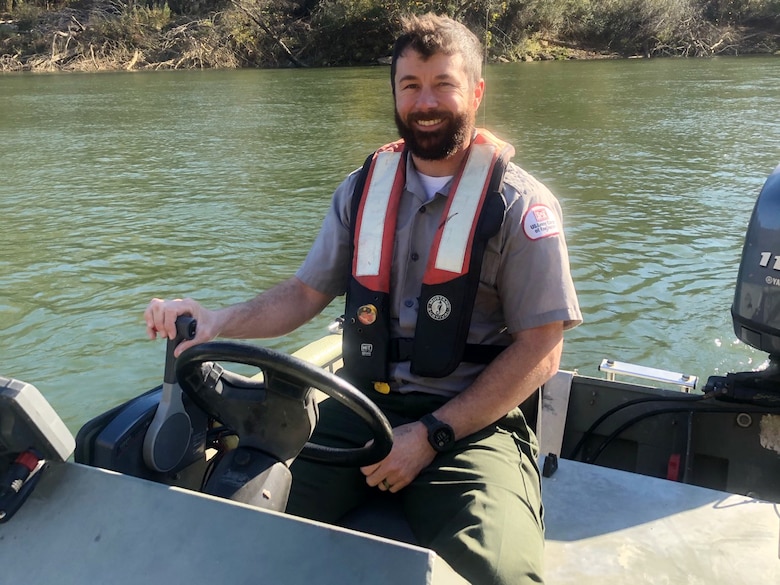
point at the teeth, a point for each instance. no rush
(429, 122)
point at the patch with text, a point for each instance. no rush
(540, 222)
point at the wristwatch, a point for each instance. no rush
(440, 434)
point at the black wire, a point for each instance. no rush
(631, 422)
(213, 436)
(589, 432)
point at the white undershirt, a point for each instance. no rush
(433, 185)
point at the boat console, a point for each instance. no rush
(103, 522)
(31, 435)
(200, 404)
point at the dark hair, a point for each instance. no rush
(431, 34)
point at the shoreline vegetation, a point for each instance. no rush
(115, 35)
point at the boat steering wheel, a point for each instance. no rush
(277, 414)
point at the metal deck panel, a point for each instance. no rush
(610, 527)
(84, 525)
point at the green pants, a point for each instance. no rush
(478, 506)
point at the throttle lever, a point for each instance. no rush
(186, 328)
(170, 432)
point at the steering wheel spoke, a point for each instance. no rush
(278, 415)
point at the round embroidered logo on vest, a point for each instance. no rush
(439, 307)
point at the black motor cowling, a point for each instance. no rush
(756, 309)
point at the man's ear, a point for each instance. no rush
(479, 91)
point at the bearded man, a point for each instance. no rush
(458, 291)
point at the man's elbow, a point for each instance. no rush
(552, 362)
(312, 300)
(546, 342)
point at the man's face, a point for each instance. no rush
(435, 105)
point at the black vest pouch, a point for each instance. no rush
(445, 309)
(442, 323)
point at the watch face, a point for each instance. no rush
(442, 437)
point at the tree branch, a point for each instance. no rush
(293, 59)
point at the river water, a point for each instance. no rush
(119, 187)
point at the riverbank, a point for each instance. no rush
(99, 35)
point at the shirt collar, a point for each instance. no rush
(414, 184)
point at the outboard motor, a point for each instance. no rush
(756, 309)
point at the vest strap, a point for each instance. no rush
(401, 350)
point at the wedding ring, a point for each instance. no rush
(386, 485)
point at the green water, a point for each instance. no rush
(119, 187)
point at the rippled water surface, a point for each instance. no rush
(119, 187)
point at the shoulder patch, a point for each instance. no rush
(540, 222)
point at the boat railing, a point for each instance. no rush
(612, 368)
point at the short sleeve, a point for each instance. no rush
(533, 276)
(327, 265)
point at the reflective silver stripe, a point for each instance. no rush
(372, 226)
(455, 237)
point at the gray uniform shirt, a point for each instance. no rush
(525, 280)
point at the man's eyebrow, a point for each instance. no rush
(440, 77)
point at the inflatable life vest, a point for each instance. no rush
(473, 213)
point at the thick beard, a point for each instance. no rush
(439, 144)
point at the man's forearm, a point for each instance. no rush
(511, 378)
(272, 313)
(531, 360)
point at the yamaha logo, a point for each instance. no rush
(439, 308)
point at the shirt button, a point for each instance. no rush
(422, 209)
(415, 256)
(409, 303)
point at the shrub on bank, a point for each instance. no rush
(130, 34)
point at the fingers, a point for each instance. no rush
(411, 453)
(386, 484)
(378, 477)
(157, 313)
(184, 345)
(161, 315)
(369, 469)
(151, 326)
(379, 480)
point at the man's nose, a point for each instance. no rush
(427, 99)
